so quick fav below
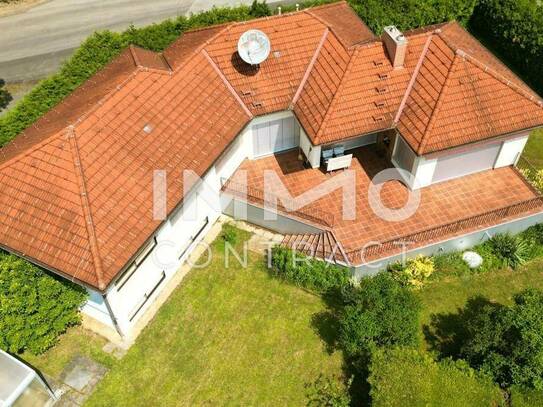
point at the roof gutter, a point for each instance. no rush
(463, 147)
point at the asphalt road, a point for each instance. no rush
(34, 43)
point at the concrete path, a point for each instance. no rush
(34, 43)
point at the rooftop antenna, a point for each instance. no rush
(254, 47)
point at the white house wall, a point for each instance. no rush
(249, 130)
(174, 238)
(511, 151)
(96, 308)
(423, 171)
(508, 154)
(174, 241)
(311, 152)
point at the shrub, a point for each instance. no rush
(534, 177)
(533, 236)
(408, 377)
(408, 14)
(35, 308)
(5, 96)
(415, 271)
(326, 392)
(229, 234)
(259, 9)
(309, 273)
(380, 312)
(507, 342)
(453, 264)
(512, 250)
(515, 30)
(521, 397)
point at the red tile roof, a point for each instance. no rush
(77, 185)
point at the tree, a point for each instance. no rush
(507, 342)
(259, 9)
(5, 96)
(379, 313)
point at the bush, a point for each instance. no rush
(507, 342)
(453, 264)
(415, 271)
(534, 177)
(533, 236)
(229, 234)
(521, 397)
(5, 96)
(35, 308)
(408, 14)
(309, 273)
(515, 30)
(380, 312)
(259, 9)
(326, 392)
(408, 377)
(512, 250)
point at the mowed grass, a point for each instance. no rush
(226, 336)
(534, 149)
(449, 294)
(76, 341)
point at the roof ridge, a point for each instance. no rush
(336, 95)
(226, 83)
(437, 107)
(309, 11)
(310, 67)
(499, 77)
(413, 78)
(26, 152)
(91, 109)
(477, 99)
(202, 46)
(134, 55)
(83, 194)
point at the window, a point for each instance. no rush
(133, 267)
(146, 297)
(194, 237)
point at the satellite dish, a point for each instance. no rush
(254, 47)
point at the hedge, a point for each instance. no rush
(35, 307)
(408, 377)
(408, 14)
(306, 272)
(514, 29)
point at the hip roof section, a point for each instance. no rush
(77, 184)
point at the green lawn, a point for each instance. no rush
(241, 337)
(226, 336)
(76, 341)
(534, 149)
(448, 294)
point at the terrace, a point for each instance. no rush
(446, 209)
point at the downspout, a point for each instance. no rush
(112, 315)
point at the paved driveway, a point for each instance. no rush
(35, 42)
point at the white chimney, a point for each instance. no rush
(396, 44)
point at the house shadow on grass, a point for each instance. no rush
(446, 333)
